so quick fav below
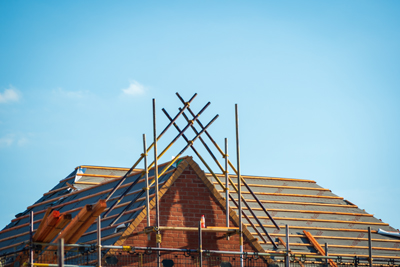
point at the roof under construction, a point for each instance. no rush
(302, 204)
(263, 210)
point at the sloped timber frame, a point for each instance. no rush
(186, 162)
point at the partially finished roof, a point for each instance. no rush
(302, 204)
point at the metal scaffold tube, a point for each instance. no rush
(146, 170)
(369, 247)
(158, 239)
(31, 239)
(186, 105)
(239, 184)
(99, 241)
(152, 164)
(236, 189)
(229, 162)
(200, 245)
(226, 184)
(60, 252)
(287, 259)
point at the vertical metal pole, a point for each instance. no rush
(200, 246)
(326, 254)
(61, 252)
(147, 183)
(239, 185)
(287, 247)
(226, 184)
(31, 239)
(158, 239)
(99, 241)
(369, 247)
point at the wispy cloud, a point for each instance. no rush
(10, 95)
(13, 139)
(134, 89)
(6, 141)
(69, 94)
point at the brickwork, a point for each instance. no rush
(182, 205)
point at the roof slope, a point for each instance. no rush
(302, 204)
(85, 185)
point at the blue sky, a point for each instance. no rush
(317, 84)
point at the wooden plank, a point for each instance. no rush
(100, 206)
(318, 247)
(321, 220)
(320, 228)
(75, 223)
(290, 195)
(285, 187)
(42, 223)
(195, 229)
(48, 225)
(61, 223)
(302, 203)
(315, 211)
(265, 178)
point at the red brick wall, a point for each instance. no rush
(183, 205)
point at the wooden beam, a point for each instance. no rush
(61, 223)
(207, 229)
(285, 187)
(266, 178)
(100, 206)
(290, 195)
(42, 223)
(318, 247)
(48, 226)
(302, 203)
(322, 220)
(75, 223)
(314, 211)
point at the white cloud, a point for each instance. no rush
(6, 141)
(134, 89)
(10, 95)
(22, 141)
(13, 139)
(69, 94)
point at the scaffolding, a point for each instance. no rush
(66, 231)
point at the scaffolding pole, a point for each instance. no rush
(60, 252)
(229, 162)
(326, 254)
(239, 184)
(147, 183)
(158, 237)
(31, 239)
(369, 247)
(186, 105)
(200, 245)
(287, 247)
(226, 184)
(99, 241)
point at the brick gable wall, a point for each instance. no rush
(182, 205)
